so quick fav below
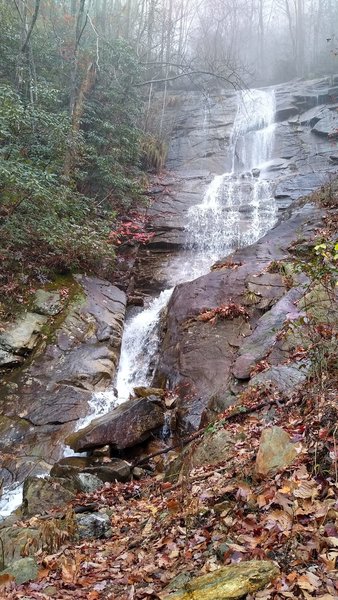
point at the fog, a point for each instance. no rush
(244, 41)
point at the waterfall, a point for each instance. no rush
(236, 210)
(238, 207)
(139, 346)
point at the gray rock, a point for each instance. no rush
(53, 390)
(93, 526)
(22, 335)
(23, 570)
(327, 126)
(47, 303)
(87, 482)
(284, 377)
(114, 469)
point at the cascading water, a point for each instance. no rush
(237, 209)
(139, 346)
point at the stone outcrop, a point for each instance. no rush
(203, 363)
(201, 130)
(73, 354)
(275, 451)
(235, 581)
(127, 425)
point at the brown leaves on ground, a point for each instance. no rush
(217, 515)
(225, 311)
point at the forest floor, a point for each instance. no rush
(215, 516)
(167, 532)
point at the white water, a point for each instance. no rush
(236, 210)
(215, 228)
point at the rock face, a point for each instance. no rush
(202, 362)
(229, 582)
(306, 116)
(76, 356)
(127, 425)
(275, 451)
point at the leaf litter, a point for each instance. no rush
(214, 516)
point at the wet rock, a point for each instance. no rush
(50, 393)
(275, 451)
(235, 581)
(93, 526)
(127, 425)
(47, 303)
(21, 336)
(283, 113)
(23, 570)
(196, 359)
(312, 116)
(42, 494)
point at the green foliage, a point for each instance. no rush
(49, 222)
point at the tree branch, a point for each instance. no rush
(35, 16)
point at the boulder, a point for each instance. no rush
(19, 540)
(114, 469)
(21, 336)
(93, 526)
(23, 570)
(275, 451)
(42, 494)
(127, 425)
(47, 303)
(235, 581)
(87, 483)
